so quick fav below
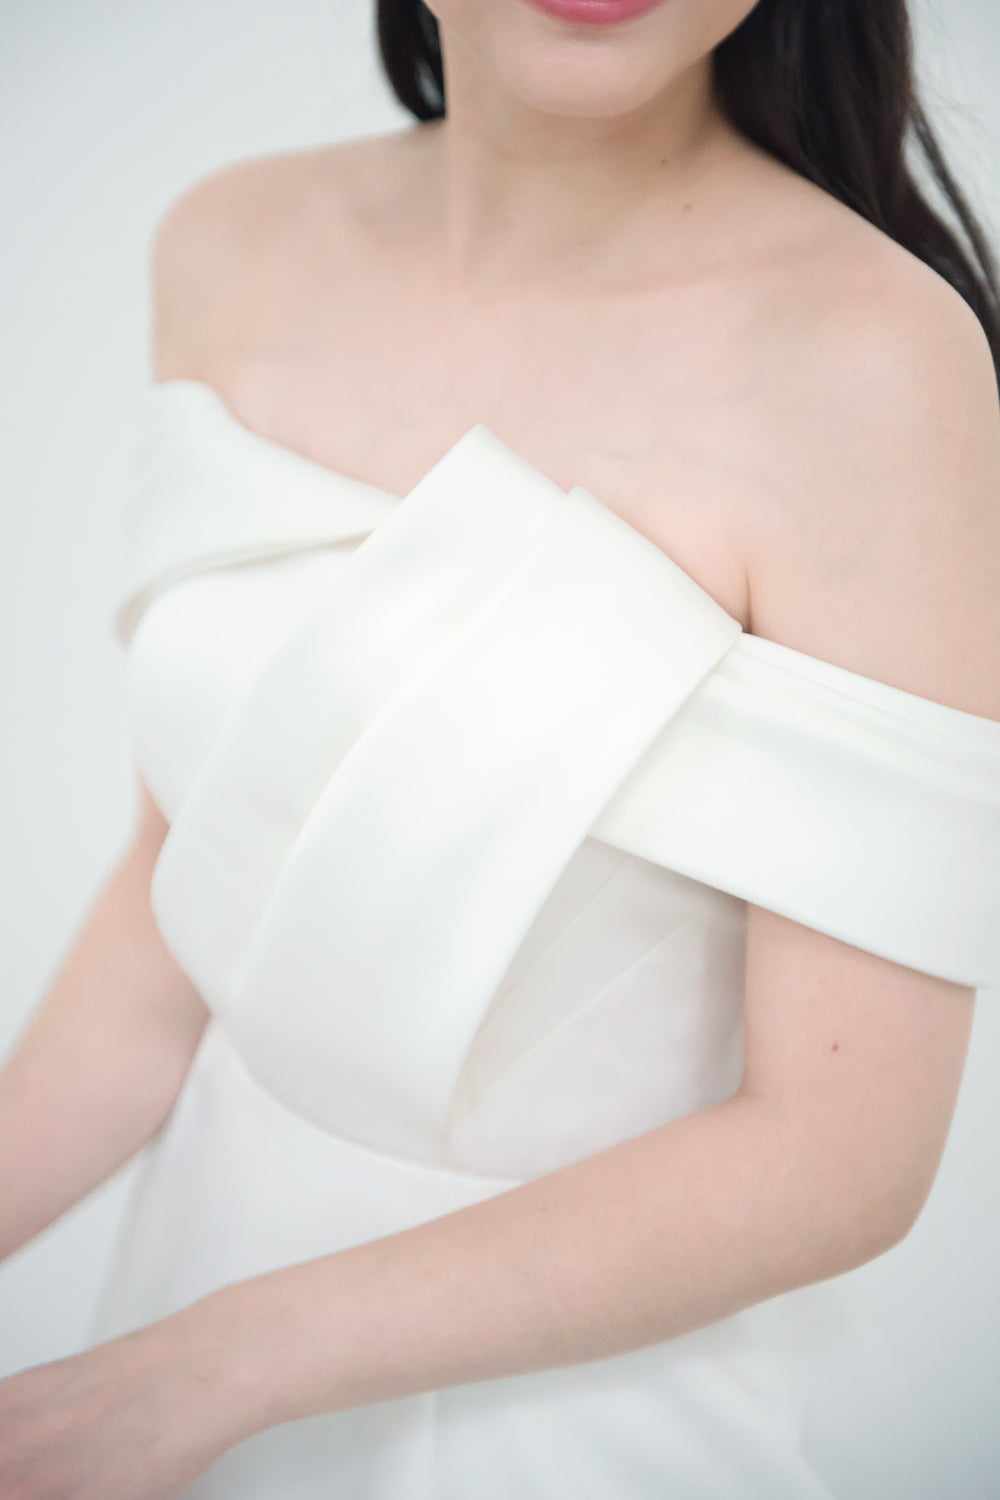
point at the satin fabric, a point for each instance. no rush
(468, 792)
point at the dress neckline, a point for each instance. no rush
(208, 393)
(480, 442)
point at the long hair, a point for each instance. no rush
(827, 87)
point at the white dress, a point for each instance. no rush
(468, 792)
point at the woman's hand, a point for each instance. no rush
(132, 1419)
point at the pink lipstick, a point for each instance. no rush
(599, 12)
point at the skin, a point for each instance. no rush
(586, 257)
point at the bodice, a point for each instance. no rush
(469, 790)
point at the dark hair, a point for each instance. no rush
(827, 87)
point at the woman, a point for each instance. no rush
(558, 631)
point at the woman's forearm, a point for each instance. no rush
(96, 1069)
(647, 1240)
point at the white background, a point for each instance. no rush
(108, 108)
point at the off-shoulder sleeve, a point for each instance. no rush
(863, 811)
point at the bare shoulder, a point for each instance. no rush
(878, 322)
(226, 250)
(879, 425)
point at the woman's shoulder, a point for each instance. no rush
(224, 246)
(848, 328)
(875, 425)
(868, 356)
(288, 178)
(820, 272)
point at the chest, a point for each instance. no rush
(631, 397)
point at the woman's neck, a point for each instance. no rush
(518, 192)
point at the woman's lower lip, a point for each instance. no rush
(595, 11)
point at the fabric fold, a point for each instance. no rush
(362, 852)
(206, 502)
(862, 811)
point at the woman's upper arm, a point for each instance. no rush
(887, 565)
(151, 825)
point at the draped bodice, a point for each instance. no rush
(469, 790)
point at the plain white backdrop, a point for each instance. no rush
(108, 109)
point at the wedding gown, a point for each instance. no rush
(468, 792)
